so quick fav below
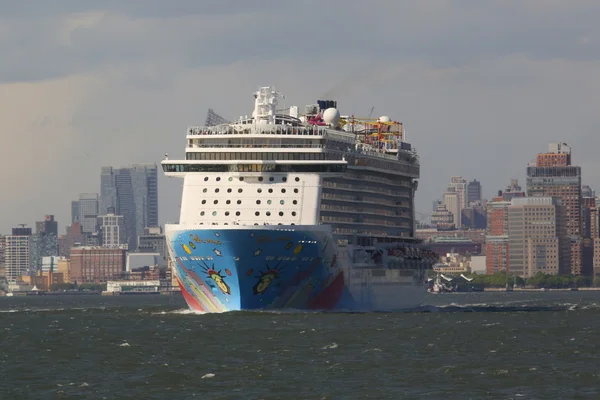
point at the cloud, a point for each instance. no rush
(481, 86)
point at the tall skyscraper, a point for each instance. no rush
(553, 175)
(133, 192)
(473, 192)
(87, 212)
(452, 202)
(460, 186)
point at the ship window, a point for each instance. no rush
(293, 223)
(203, 201)
(214, 213)
(268, 213)
(295, 202)
(216, 190)
(282, 190)
(269, 201)
(218, 178)
(228, 202)
(216, 202)
(226, 213)
(280, 223)
(281, 213)
(260, 178)
(294, 213)
(205, 178)
(270, 190)
(297, 179)
(282, 202)
(202, 213)
(284, 179)
(257, 213)
(241, 179)
(229, 190)
(230, 179)
(239, 202)
(257, 201)
(295, 190)
(271, 179)
(259, 190)
(204, 190)
(237, 213)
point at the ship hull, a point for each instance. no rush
(296, 267)
(252, 268)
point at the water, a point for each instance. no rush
(463, 346)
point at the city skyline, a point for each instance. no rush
(474, 94)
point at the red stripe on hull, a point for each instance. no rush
(190, 300)
(330, 297)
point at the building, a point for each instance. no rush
(473, 192)
(96, 264)
(87, 212)
(442, 219)
(153, 241)
(587, 191)
(41, 245)
(2, 257)
(133, 193)
(16, 253)
(452, 203)
(553, 175)
(460, 187)
(537, 236)
(74, 238)
(48, 226)
(111, 229)
(496, 244)
(474, 216)
(64, 267)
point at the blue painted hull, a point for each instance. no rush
(250, 268)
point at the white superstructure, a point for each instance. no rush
(254, 172)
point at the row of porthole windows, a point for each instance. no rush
(282, 202)
(237, 213)
(259, 190)
(260, 179)
(217, 190)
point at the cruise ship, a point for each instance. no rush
(290, 210)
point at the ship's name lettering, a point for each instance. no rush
(308, 258)
(284, 239)
(284, 258)
(269, 258)
(198, 240)
(183, 258)
(264, 239)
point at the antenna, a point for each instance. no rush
(212, 119)
(371, 113)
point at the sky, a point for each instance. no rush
(481, 86)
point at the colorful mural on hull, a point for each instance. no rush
(245, 269)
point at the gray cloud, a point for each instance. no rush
(480, 86)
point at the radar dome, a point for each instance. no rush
(384, 118)
(331, 116)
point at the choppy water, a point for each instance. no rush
(463, 346)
